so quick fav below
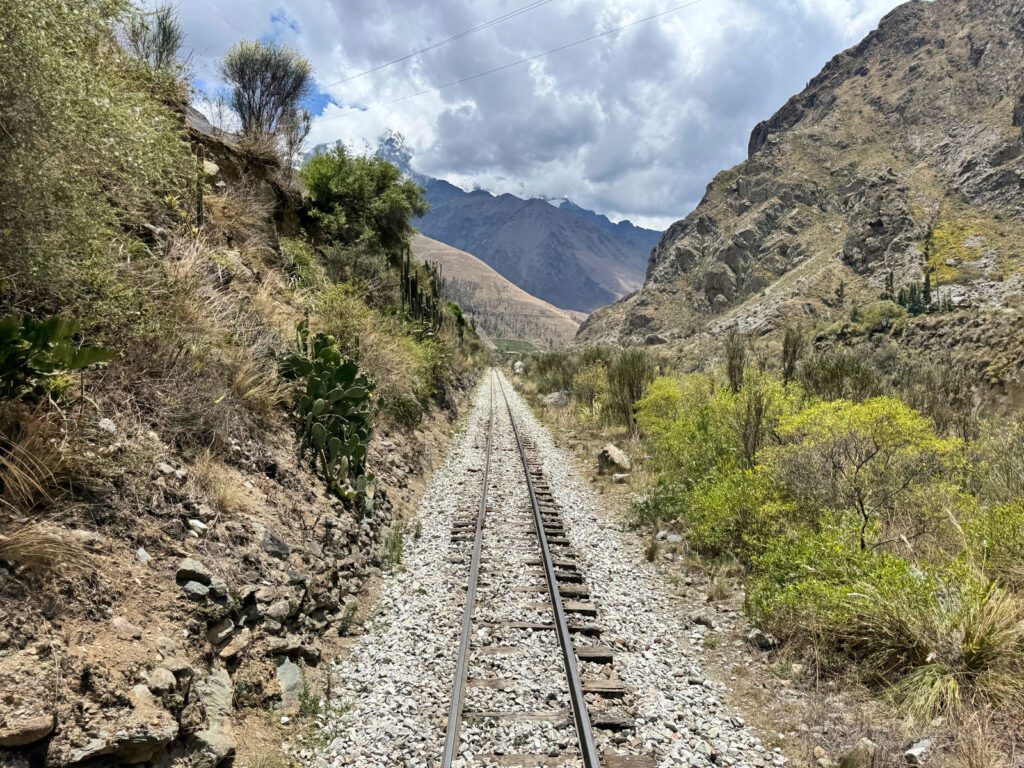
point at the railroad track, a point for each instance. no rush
(533, 684)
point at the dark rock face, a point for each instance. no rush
(914, 131)
(567, 255)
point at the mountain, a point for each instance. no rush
(904, 155)
(499, 308)
(556, 251)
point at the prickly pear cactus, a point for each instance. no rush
(336, 410)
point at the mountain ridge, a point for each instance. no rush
(902, 158)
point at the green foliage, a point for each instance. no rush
(362, 200)
(302, 264)
(268, 82)
(553, 371)
(629, 374)
(881, 316)
(590, 387)
(88, 150)
(794, 343)
(735, 359)
(875, 458)
(422, 288)
(34, 354)
(839, 373)
(336, 411)
(732, 514)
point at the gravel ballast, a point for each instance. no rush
(391, 694)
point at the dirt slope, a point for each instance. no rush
(501, 309)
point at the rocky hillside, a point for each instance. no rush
(535, 243)
(499, 309)
(903, 156)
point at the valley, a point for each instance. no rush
(310, 458)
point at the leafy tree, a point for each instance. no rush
(269, 81)
(362, 200)
(870, 458)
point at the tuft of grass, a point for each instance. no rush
(394, 547)
(954, 655)
(212, 478)
(43, 549)
(30, 459)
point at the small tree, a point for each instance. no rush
(877, 458)
(362, 200)
(629, 374)
(793, 344)
(155, 37)
(268, 82)
(735, 360)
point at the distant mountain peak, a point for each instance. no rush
(392, 147)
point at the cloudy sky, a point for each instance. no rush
(633, 124)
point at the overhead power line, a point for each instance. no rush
(526, 59)
(505, 17)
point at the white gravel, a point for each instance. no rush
(391, 694)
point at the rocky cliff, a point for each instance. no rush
(905, 155)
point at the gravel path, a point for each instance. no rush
(390, 696)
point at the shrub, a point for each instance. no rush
(35, 354)
(870, 458)
(156, 36)
(405, 370)
(362, 200)
(590, 387)
(87, 147)
(554, 372)
(881, 315)
(268, 83)
(732, 514)
(735, 359)
(793, 344)
(302, 264)
(629, 374)
(840, 373)
(946, 392)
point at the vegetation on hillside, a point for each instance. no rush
(878, 520)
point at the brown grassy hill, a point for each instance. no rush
(904, 156)
(499, 308)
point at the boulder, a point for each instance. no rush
(190, 569)
(221, 631)
(238, 644)
(22, 730)
(195, 591)
(161, 680)
(125, 629)
(291, 683)
(216, 742)
(556, 399)
(863, 755)
(917, 752)
(761, 640)
(274, 545)
(611, 459)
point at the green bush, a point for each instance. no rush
(88, 151)
(362, 200)
(878, 459)
(629, 374)
(590, 387)
(733, 514)
(839, 374)
(553, 372)
(301, 264)
(268, 83)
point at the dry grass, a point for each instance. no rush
(258, 387)
(43, 549)
(213, 479)
(238, 216)
(30, 459)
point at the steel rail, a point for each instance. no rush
(588, 747)
(451, 739)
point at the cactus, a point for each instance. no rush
(335, 410)
(422, 294)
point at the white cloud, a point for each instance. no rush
(633, 125)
